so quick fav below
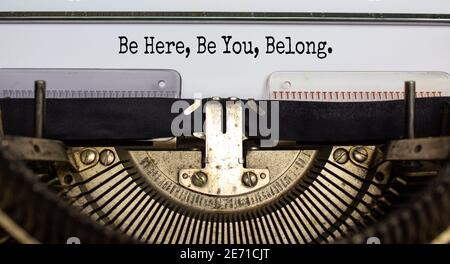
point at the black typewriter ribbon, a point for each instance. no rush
(146, 118)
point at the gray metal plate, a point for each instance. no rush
(354, 86)
(91, 83)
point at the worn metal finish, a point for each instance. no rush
(224, 160)
(83, 158)
(290, 196)
(140, 196)
(161, 168)
(419, 149)
(325, 204)
(36, 149)
(226, 191)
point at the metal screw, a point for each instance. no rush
(286, 85)
(340, 155)
(199, 178)
(360, 154)
(107, 157)
(162, 84)
(88, 156)
(249, 179)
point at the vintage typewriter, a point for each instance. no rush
(145, 166)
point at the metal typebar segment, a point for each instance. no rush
(410, 108)
(224, 173)
(39, 108)
(218, 144)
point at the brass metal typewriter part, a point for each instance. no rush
(222, 188)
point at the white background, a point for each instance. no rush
(355, 48)
(382, 6)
